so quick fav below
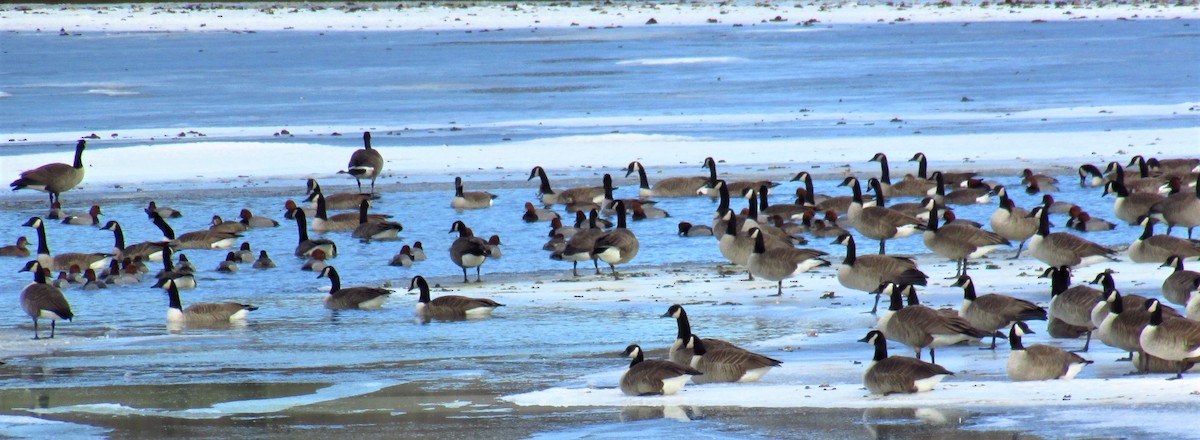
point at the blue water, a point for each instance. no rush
(410, 88)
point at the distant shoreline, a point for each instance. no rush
(478, 16)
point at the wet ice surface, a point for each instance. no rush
(547, 363)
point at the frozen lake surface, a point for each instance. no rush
(302, 371)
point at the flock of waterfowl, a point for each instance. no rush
(762, 238)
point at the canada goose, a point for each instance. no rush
(1178, 287)
(912, 208)
(1090, 175)
(681, 352)
(993, 311)
(965, 196)
(306, 246)
(449, 307)
(534, 214)
(1150, 248)
(1063, 249)
(183, 278)
(374, 229)
(365, 162)
(867, 272)
(685, 230)
(1035, 187)
(40, 300)
(468, 250)
(643, 212)
(91, 282)
(1027, 175)
(1168, 166)
(316, 261)
(780, 263)
(885, 175)
(811, 198)
(244, 254)
(21, 249)
(360, 297)
(254, 221)
(418, 251)
(1122, 325)
(1130, 207)
(617, 246)
(669, 187)
(1073, 305)
(54, 178)
(1011, 222)
(469, 199)
(203, 239)
(1059, 329)
(164, 212)
(230, 264)
(1057, 207)
(264, 261)
(737, 187)
(1039, 362)
(580, 248)
(63, 261)
(1180, 208)
(959, 242)
(203, 313)
(1083, 222)
(919, 326)
(949, 178)
(898, 374)
(335, 200)
(1143, 182)
(403, 258)
(737, 247)
(725, 364)
(92, 217)
(581, 194)
(653, 377)
(220, 225)
(1172, 339)
(322, 222)
(607, 204)
(877, 222)
(785, 210)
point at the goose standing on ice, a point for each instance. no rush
(993, 311)
(54, 178)
(365, 162)
(866, 272)
(43, 301)
(468, 250)
(617, 246)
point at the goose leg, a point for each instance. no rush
(35, 329)
(1019, 247)
(932, 356)
(616, 276)
(52, 329)
(749, 275)
(359, 182)
(1086, 343)
(779, 289)
(1126, 358)
(465, 279)
(882, 246)
(575, 268)
(596, 262)
(1178, 371)
(875, 308)
(477, 277)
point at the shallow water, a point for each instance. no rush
(299, 369)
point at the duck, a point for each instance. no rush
(617, 246)
(1073, 305)
(63, 261)
(669, 187)
(469, 199)
(244, 253)
(644, 212)
(230, 264)
(1173, 339)
(724, 364)
(780, 263)
(163, 211)
(1150, 248)
(919, 326)
(959, 242)
(1010, 222)
(493, 245)
(865, 273)
(220, 225)
(256, 221)
(316, 261)
(994, 311)
(877, 222)
(449, 307)
(203, 239)
(1039, 362)
(56, 211)
(1027, 175)
(264, 261)
(1082, 221)
(374, 229)
(1063, 249)
(336, 200)
(40, 300)
(21, 248)
(54, 178)
(203, 313)
(557, 227)
(583, 194)
(468, 250)
(306, 246)
(681, 351)
(1034, 187)
(653, 377)
(534, 214)
(403, 258)
(686, 229)
(91, 218)
(418, 251)
(290, 208)
(359, 297)
(1057, 206)
(898, 374)
(365, 162)
(92, 282)
(1179, 285)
